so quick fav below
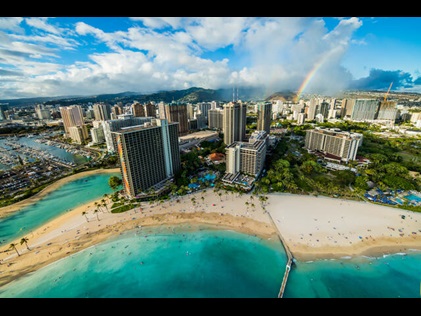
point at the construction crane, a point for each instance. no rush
(388, 90)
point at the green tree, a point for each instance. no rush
(96, 212)
(344, 177)
(114, 182)
(361, 182)
(378, 159)
(24, 240)
(309, 166)
(86, 216)
(13, 246)
(104, 204)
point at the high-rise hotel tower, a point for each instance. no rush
(74, 125)
(149, 155)
(234, 122)
(174, 112)
(264, 116)
(334, 143)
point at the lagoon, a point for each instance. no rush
(68, 196)
(197, 262)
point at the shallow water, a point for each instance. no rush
(162, 263)
(67, 197)
(189, 262)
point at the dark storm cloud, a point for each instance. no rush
(417, 81)
(379, 79)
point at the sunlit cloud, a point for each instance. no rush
(152, 54)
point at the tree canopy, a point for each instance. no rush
(114, 182)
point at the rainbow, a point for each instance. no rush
(311, 74)
(307, 79)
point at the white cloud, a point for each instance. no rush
(278, 53)
(160, 22)
(52, 40)
(216, 32)
(284, 51)
(11, 24)
(41, 24)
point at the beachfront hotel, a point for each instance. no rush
(245, 160)
(149, 156)
(123, 120)
(333, 143)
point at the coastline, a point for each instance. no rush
(312, 227)
(6, 210)
(331, 228)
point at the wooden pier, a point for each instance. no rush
(289, 261)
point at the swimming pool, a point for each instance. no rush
(413, 197)
(208, 177)
(398, 200)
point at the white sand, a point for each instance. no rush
(326, 227)
(313, 227)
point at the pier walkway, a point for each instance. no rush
(289, 261)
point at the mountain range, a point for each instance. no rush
(191, 95)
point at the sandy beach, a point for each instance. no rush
(312, 227)
(4, 211)
(322, 227)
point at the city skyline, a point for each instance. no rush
(46, 57)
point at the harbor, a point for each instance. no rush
(15, 151)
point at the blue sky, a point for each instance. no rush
(45, 57)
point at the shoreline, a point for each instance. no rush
(312, 227)
(6, 210)
(331, 228)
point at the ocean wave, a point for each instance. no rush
(395, 254)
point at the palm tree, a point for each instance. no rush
(96, 212)
(103, 201)
(104, 204)
(84, 214)
(24, 240)
(13, 246)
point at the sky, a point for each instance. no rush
(67, 56)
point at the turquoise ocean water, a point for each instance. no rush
(68, 196)
(199, 262)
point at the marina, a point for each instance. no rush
(15, 151)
